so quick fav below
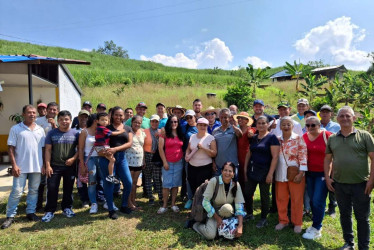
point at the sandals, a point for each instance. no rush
(175, 209)
(162, 210)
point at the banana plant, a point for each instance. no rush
(296, 70)
(256, 77)
(312, 86)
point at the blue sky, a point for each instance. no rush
(202, 33)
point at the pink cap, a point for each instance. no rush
(203, 121)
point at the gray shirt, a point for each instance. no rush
(226, 146)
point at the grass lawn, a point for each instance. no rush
(146, 229)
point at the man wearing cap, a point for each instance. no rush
(197, 106)
(226, 138)
(160, 109)
(352, 180)
(284, 109)
(326, 113)
(86, 106)
(258, 109)
(141, 109)
(211, 114)
(100, 108)
(302, 106)
(42, 109)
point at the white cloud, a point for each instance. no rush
(213, 53)
(257, 62)
(86, 50)
(335, 42)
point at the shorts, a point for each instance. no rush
(135, 168)
(172, 177)
(99, 148)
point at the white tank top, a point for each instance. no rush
(90, 140)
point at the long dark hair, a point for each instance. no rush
(91, 120)
(169, 130)
(234, 180)
(114, 109)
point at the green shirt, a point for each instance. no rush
(350, 156)
(296, 118)
(146, 123)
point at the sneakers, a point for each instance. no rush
(7, 223)
(262, 223)
(32, 217)
(126, 210)
(68, 213)
(112, 179)
(188, 204)
(297, 229)
(105, 206)
(348, 246)
(113, 215)
(94, 208)
(175, 209)
(48, 216)
(162, 210)
(331, 212)
(312, 233)
(280, 226)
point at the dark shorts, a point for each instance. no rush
(134, 169)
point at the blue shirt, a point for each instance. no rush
(332, 127)
(216, 124)
(162, 122)
(226, 146)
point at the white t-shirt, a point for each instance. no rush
(297, 129)
(28, 147)
(200, 158)
(43, 122)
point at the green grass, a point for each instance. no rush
(145, 230)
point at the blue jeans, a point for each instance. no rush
(16, 193)
(121, 169)
(93, 166)
(317, 191)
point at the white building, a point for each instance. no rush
(33, 79)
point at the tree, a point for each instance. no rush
(240, 95)
(296, 70)
(312, 86)
(110, 48)
(255, 77)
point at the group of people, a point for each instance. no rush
(297, 159)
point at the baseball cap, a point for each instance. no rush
(310, 112)
(42, 104)
(84, 112)
(141, 105)
(303, 101)
(258, 101)
(202, 121)
(283, 104)
(154, 117)
(101, 106)
(326, 107)
(160, 103)
(87, 103)
(190, 112)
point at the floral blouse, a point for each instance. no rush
(294, 150)
(135, 154)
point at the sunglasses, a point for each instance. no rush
(311, 125)
(174, 122)
(188, 117)
(210, 114)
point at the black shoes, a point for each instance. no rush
(125, 210)
(32, 217)
(113, 215)
(7, 222)
(262, 223)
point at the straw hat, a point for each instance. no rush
(169, 110)
(244, 115)
(211, 109)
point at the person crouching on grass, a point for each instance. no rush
(102, 143)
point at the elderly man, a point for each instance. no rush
(25, 142)
(225, 137)
(302, 106)
(352, 178)
(141, 109)
(234, 109)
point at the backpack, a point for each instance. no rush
(198, 212)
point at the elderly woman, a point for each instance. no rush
(135, 157)
(316, 140)
(211, 114)
(171, 153)
(200, 151)
(260, 163)
(289, 176)
(229, 192)
(118, 145)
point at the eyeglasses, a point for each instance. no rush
(188, 117)
(311, 125)
(174, 121)
(207, 114)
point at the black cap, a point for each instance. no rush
(101, 106)
(310, 112)
(87, 103)
(326, 107)
(160, 103)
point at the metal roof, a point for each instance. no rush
(280, 74)
(329, 68)
(36, 59)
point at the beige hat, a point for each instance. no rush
(169, 110)
(246, 116)
(226, 211)
(211, 109)
(154, 117)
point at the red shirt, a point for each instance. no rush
(316, 151)
(173, 149)
(243, 146)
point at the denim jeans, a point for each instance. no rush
(16, 193)
(317, 192)
(353, 196)
(93, 166)
(121, 169)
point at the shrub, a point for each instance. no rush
(240, 95)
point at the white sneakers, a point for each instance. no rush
(94, 208)
(105, 206)
(312, 233)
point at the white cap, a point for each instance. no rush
(190, 112)
(154, 117)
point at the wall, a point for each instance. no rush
(69, 97)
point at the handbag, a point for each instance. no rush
(292, 170)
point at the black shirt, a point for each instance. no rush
(120, 139)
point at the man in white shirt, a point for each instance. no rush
(26, 143)
(284, 109)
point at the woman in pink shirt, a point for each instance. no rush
(171, 153)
